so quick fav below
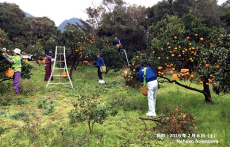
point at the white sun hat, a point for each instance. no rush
(17, 51)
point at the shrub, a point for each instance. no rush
(88, 109)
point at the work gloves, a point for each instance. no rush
(4, 55)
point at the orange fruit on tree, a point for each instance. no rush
(207, 83)
(196, 35)
(190, 58)
(131, 77)
(133, 64)
(201, 82)
(175, 48)
(167, 57)
(160, 68)
(167, 43)
(214, 84)
(172, 55)
(201, 39)
(190, 44)
(159, 58)
(169, 46)
(162, 49)
(175, 37)
(173, 68)
(211, 75)
(186, 50)
(188, 37)
(141, 54)
(184, 116)
(166, 63)
(171, 64)
(137, 56)
(159, 72)
(218, 66)
(127, 86)
(162, 73)
(221, 34)
(207, 65)
(179, 47)
(153, 52)
(179, 55)
(134, 70)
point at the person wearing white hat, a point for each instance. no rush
(17, 67)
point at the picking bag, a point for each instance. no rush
(103, 69)
(144, 88)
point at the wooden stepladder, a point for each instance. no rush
(124, 52)
(60, 56)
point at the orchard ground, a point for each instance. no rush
(32, 128)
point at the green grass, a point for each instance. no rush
(124, 129)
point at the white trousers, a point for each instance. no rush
(152, 95)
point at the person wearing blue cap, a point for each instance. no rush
(48, 66)
(151, 80)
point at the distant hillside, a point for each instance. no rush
(71, 21)
(28, 15)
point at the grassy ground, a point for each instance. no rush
(27, 125)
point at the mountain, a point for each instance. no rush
(71, 21)
(28, 15)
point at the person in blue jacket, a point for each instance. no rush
(151, 80)
(99, 62)
(118, 44)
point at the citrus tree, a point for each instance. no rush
(191, 45)
(78, 46)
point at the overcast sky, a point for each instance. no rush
(60, 10)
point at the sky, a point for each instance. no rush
(60, 10)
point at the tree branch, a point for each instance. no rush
(185, 86)
(5, 79)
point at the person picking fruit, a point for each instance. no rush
(99, 62)
(151, 80)
(17, 67)
(48, 63)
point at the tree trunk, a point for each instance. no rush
(207, 93)
(38, 63)
(72, 67)
(90, 127)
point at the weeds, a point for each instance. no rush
(20, 102)
(2, 113)
(19, 116)
(42, 103)
(27, 87)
